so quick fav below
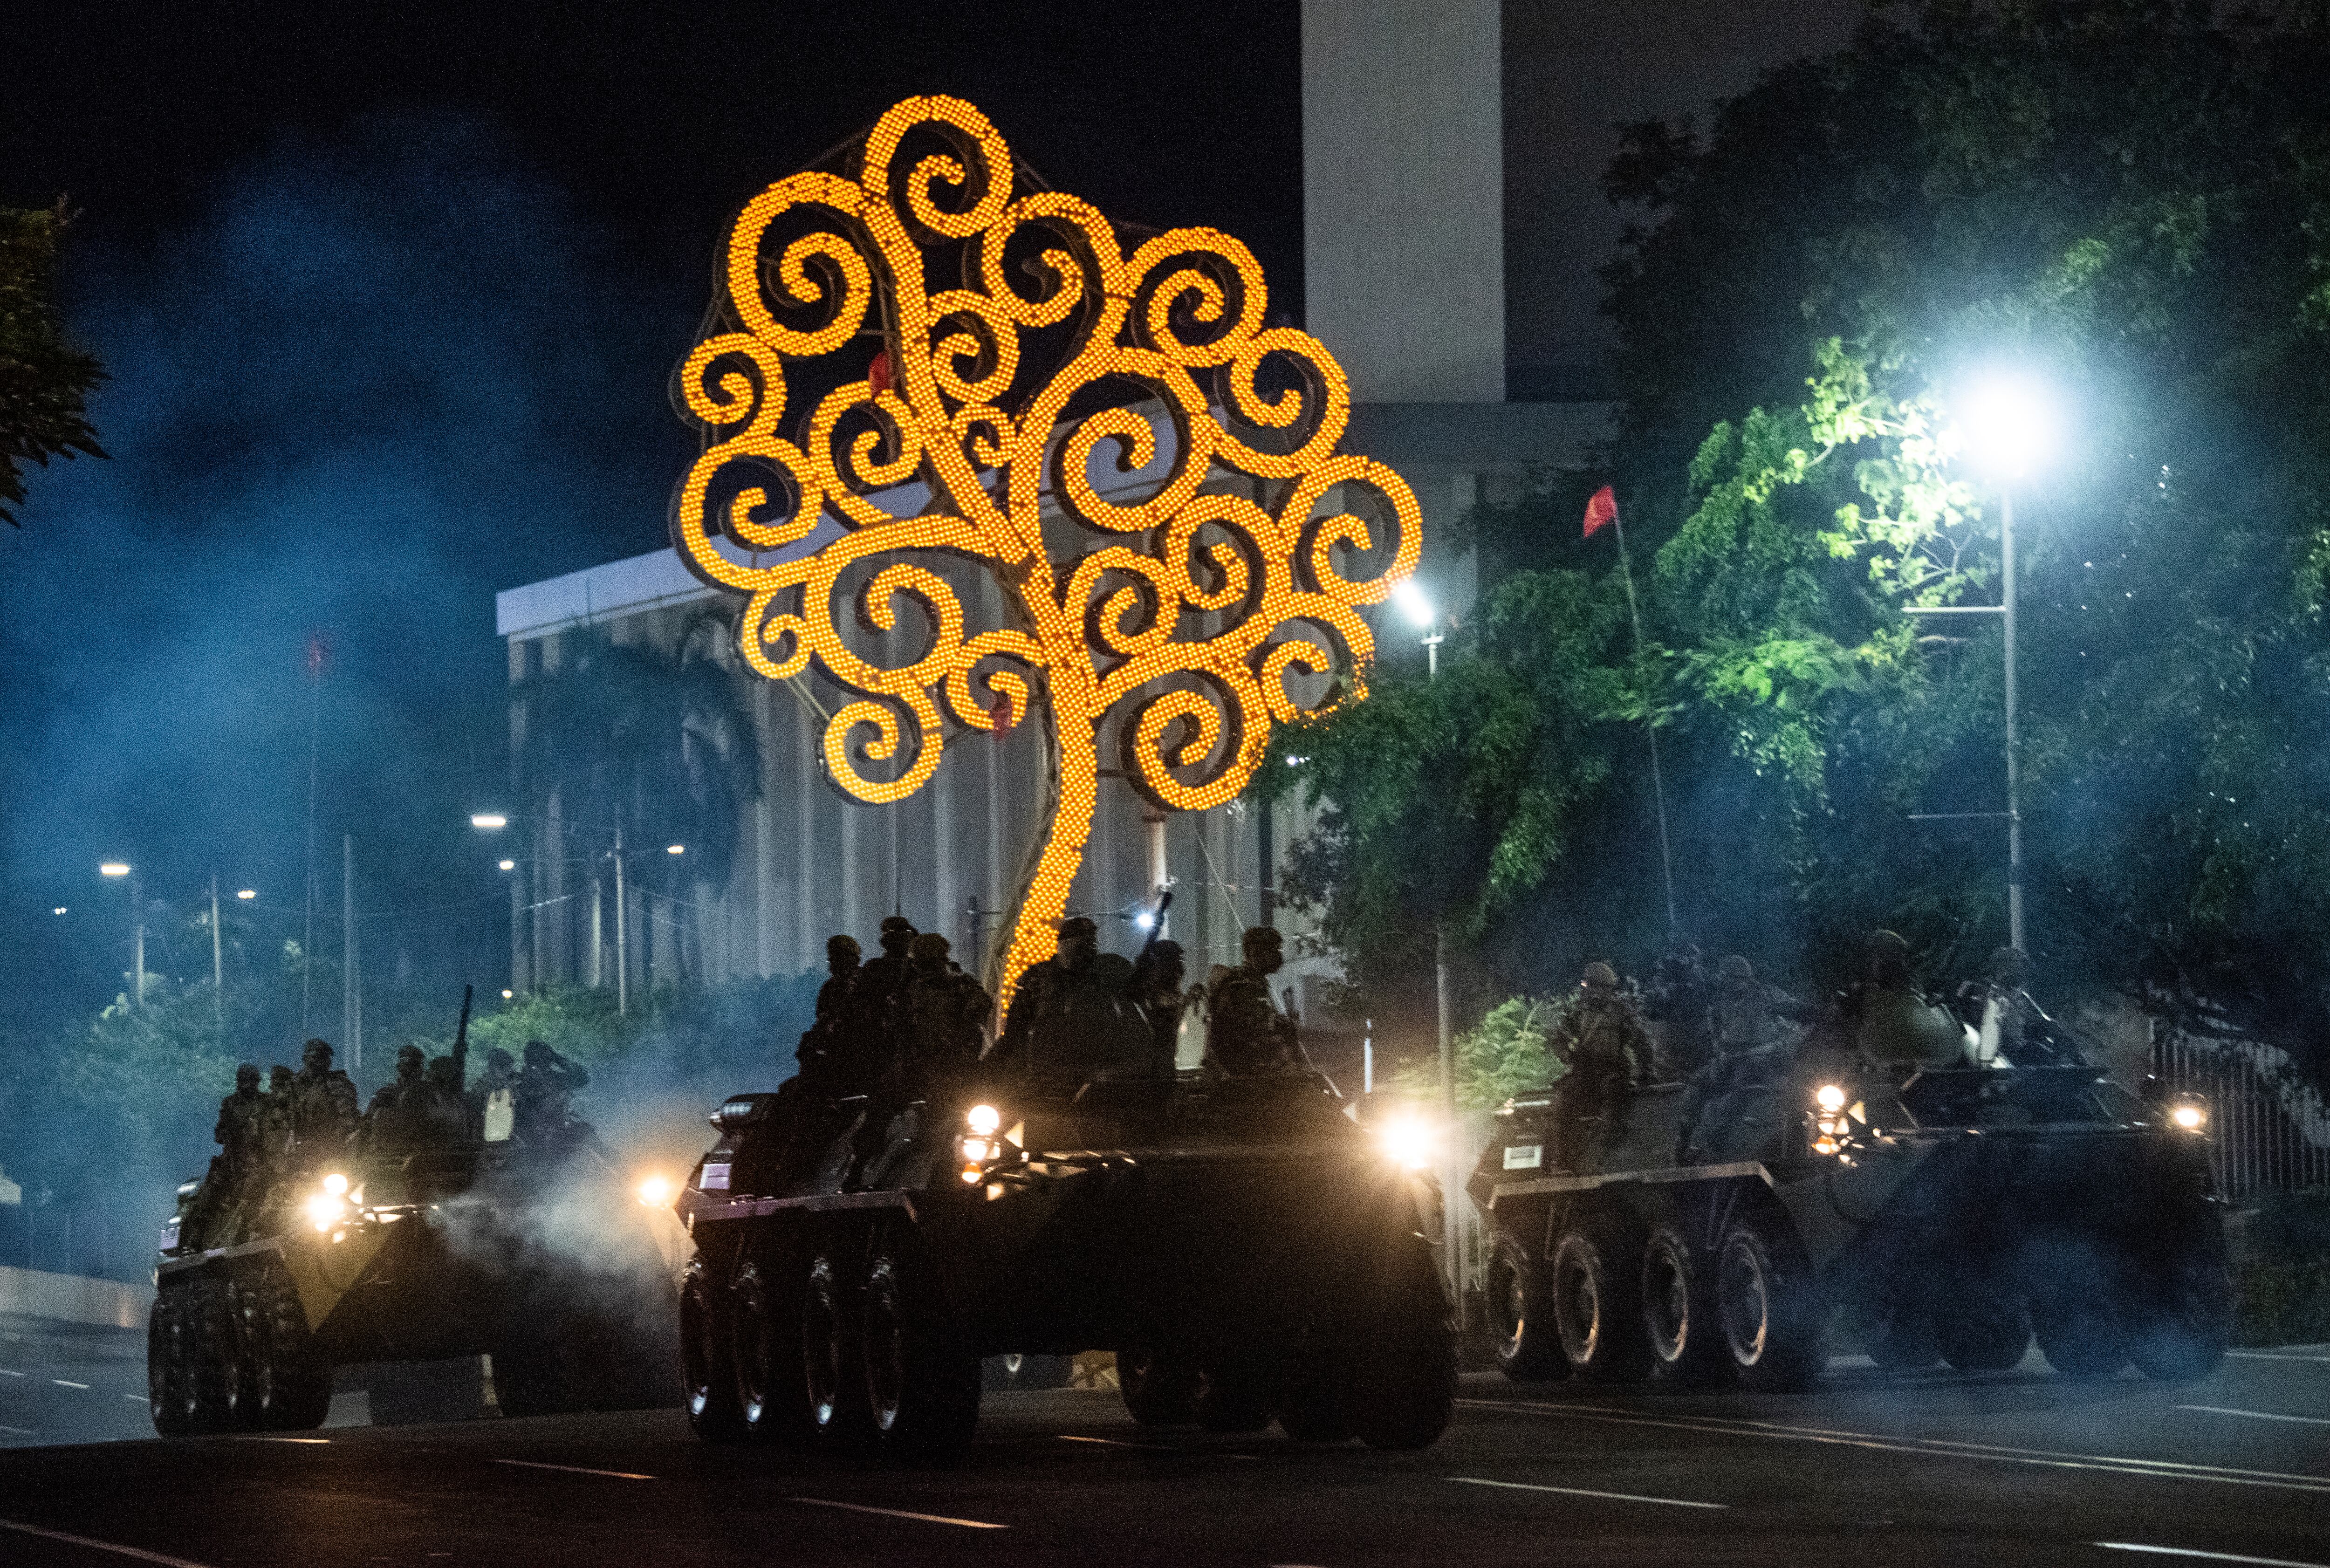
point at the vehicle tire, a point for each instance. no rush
(1679, 1313)
(1159, 1388)
(169, 1384)
(1906, 1342)
(1597, 1310)
(1233, 1393)
(833, 1392)
(2081, 1339)
(1989, 1331)
(293, 1382)
(1407, 1393)
(218, 1378)
(1521, 1312)
(1771, 1320)
(708, 1370)
(921, 1374)
(2179, 1329)
(1034, 1371)
(771, 1400)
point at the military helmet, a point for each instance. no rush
(929, 950)
(246, 1075)
(892, 924)
(538, 1052)
(498, 1060)
(1079, 926)
(316, 1054)
(1735, 969)
(406, 1053)
(1599, 977)
(279, 1078)
(1888, 958)
(835, 946)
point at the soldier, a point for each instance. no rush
(2013, 1028)
(1039, 1035)
(492, 1100)
(947, 1013)
(547, 1086)
(1678, 1004)
(444, 1119)
(1749, 1053)
(824, 1049)
(1900, 1030)
(395, 1123)
(1157, 990)
(1605, 1048)
(1246, 1034)
(324, 1106)
(227, 1188)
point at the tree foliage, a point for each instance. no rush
(44, 379)
(2131, 200)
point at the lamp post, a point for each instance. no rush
(119, 868)
(494, 821)
(1417, 607)
(2008, 423)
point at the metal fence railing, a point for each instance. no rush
(2268, 1131)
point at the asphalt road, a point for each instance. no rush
(2015, 1468)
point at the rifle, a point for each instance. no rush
(461, 1040)
(1156, 931)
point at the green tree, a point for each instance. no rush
(44, 379)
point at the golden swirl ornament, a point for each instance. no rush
(1219, 565)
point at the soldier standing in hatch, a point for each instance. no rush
(1749, 1053)
(877, 1028)
(1606, 1049)
(2014, 1029)
(396, 1120)
(547, 1086)
(1033, 1043)
(1677, 1005)
(493, 1099)
(324, 1106)
(1157, 989)
(824, 1051)
(947, 1013)
(227, 1188)
(1246, 1034)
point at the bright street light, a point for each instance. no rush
(509, 865)
(2007, 421)
(675, 849)
(114, 868)
(247, 894)
(1413, 602)
(487, 819)
(59, 910)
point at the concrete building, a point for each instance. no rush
(1404, 226)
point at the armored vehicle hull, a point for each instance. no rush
(1942, 1220)
(545, 1266)
(1245, 1250)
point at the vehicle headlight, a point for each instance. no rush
(336, 1184)
(326, 1209)
(984, 1120)
(1830, 1097)
(2190, 1112)
(977, 1149)
(1407, 1141)
(655, 1192)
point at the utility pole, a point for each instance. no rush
(2013, 768)
(351, 975)
(1452, 1234)
(137, 913)
(218, 958)
(622, 929)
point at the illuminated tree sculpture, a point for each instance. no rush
(956, 415)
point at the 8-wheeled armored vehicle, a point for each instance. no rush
(1944, 1217)
(540, 1259)
(1248, 1251)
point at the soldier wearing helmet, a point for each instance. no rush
(1246, 1034)
(1607, 1050)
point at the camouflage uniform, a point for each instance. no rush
(546, 1087)
(1678, 1005)
(947, 1013)
(1067, 1022)
(1898, 1029)
(324, 1106)
(1246, 1034)
(396, 1122)
(227, 1186)
(1606, 1050)
(1156, 991)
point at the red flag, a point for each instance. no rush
(1603, 508)
(1003, 714)
(877, 374)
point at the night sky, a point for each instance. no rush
(390, 294)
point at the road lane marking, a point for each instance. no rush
(293, 1439)
(142, 1556)
(2257, 1414)
(138, 1398)
(1153, 1448)
(7, 1372)
(2272, 1355)
(571, 1469)
(899, 1514)
(1942, 1448)
(1582, 1492)
(67, 1383)
(17, 1430)
(2211, 1556)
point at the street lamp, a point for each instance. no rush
(1416, 606)
(487, 820)
(119, 868)
(2009, 424)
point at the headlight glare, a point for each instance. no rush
(335, 1183)
(1407, 1141)
(2190, 1115)
(1831, 1098)
(984, 1120)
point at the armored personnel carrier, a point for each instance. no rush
(1946, 1217)
(540, 1259)
(1249, 1253)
